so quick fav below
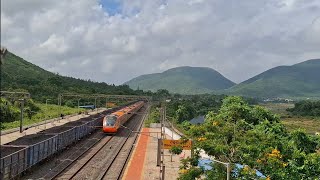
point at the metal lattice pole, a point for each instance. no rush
(95, 104)
(17, 96)
(21, 114)
(162, 118)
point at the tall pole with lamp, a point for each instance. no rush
(21, 113)
(46, 115)
(78, 106)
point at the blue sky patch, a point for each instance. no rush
(112, 7)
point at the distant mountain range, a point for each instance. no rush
(183, 80)
(299, 80)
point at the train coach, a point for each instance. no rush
(112, 122)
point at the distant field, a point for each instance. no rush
(278, 108)
(46, 112)
(309, 124)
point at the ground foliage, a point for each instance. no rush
(33, 113)
(306, 108)
(254, 137)
(176, 150)
(184, 108)
(188, 169)
(10, 110)
(154, 115)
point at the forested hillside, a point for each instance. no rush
(299, 80)
(183, 80)
(18, 74)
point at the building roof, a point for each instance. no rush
(197, 120)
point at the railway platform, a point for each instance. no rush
(14, 134)
(143, 162)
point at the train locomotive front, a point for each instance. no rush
(112, 122)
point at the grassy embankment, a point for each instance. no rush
(310, 124)
(46, 112)
(153, 117)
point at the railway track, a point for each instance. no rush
(115, 170)
(105, 159)
(53, 166)
(67, 160)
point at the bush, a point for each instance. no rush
(176, 150)
(8, 112)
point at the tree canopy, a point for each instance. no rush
(254, 137)
(306, 108)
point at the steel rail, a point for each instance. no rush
(131, 149)
(70, 162)
(106, 170)
(96, 152)
(91, 157)
(52, 174)
(93, 153)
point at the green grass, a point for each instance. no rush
(278, 108)
(310, 125)
(46, 112)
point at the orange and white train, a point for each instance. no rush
(112, 122)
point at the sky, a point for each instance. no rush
(116, 40)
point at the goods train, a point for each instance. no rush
(112, 122)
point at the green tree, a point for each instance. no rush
(184, 113)
(254, 137)
(8, 111)
(306, 108)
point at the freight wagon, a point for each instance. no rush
(27, 151)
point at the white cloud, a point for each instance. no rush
(238, 38)
(54, 44)
(166, 64)
(5, 22)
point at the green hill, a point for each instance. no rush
(16, 73)
(299, 80)
(183, 80)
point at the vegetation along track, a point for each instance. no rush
(107, 159)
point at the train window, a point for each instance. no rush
(111, 120)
